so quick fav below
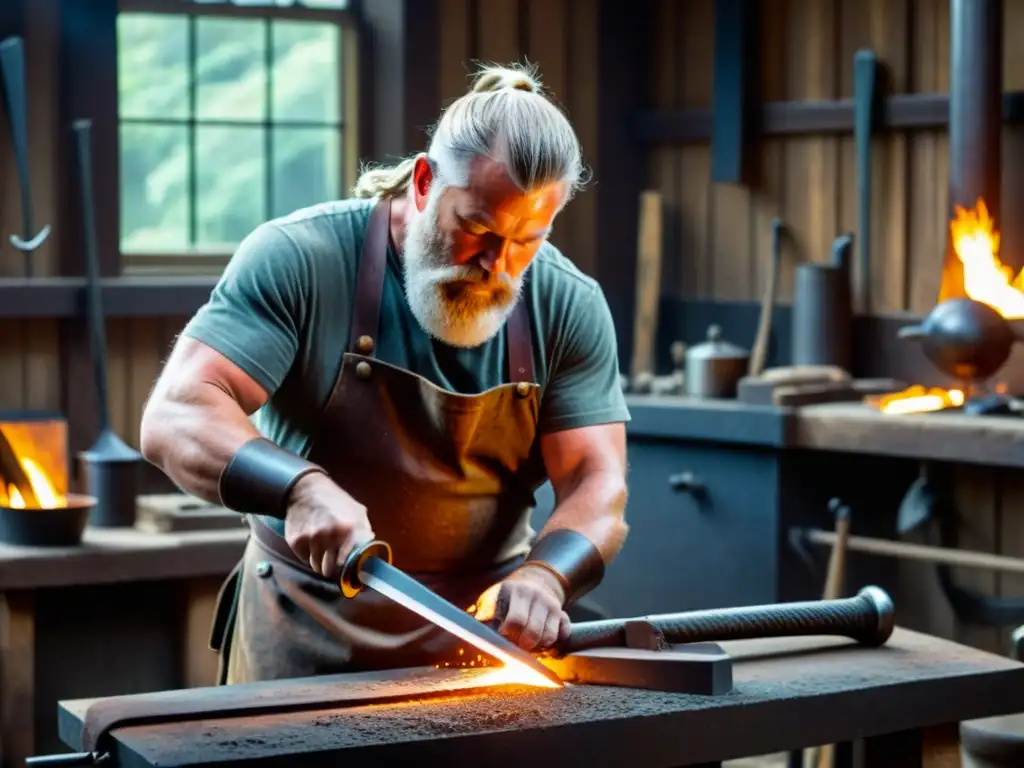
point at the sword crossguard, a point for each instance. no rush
(351, 584)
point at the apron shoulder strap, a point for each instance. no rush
(520, 344)
(370, 280)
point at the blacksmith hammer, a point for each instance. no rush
(867, 618)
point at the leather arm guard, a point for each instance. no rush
(260, 476)
(572, 558)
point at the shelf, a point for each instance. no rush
(63, 297)
(908, 111)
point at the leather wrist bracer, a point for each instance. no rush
(572, 558)
(260, 476)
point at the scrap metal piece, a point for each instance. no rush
(698, 669)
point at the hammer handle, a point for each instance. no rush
(866, 618)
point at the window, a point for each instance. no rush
(230, 114)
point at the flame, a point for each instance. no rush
(918, 399)
(39, 449)
(985, 277)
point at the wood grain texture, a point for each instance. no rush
(716, 237)
(17, 684)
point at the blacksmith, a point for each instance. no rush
(411, 365)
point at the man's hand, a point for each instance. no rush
(527, 608)
(324, 524)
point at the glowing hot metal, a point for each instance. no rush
(384, 578)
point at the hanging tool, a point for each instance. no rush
(12, 68)
(865, 102)
(648, 291)
(759, 354)
(111, 466)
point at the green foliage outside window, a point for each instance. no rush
(224, 123)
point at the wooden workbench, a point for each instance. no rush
(842, 427)
(788, 694)
(125, 612)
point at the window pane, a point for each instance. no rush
(231, 73)
(154, 188)
(152, 65)
(230, 185)
(307, 167)
(307, 71)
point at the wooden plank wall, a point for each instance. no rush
(29, 357)
(718, 235)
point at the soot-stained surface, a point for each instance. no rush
(764, 674)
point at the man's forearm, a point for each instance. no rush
(595, 507)
(193, 441)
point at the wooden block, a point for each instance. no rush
(698, 668)
(759, 390)
(172, 512)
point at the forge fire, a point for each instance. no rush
(33, 467)
(978, 274)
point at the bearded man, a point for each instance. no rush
(418, 360)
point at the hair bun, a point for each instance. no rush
(496, 78)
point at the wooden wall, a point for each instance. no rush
(717, 236)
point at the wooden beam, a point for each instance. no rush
(62, 297)
(623, 32)
(399, 70)
(732, 99)
(88, 62)
(907, 112)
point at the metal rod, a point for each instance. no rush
(94, 297)
(921, 552)
(975, 120)
(67, 760)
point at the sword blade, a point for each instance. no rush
(401, 588)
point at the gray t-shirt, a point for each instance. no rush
(282, 309)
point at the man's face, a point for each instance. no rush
(467, 250)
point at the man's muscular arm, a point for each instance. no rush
(587, 469)
(197, 417)
(231, 358)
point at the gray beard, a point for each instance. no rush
(443, 297)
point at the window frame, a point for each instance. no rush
(213, 262)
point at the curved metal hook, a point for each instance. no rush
(30, 245)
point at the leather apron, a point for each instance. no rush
(448, 480)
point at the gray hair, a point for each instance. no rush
(504, 115)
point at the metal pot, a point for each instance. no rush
(964, 338)
(715, 367)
